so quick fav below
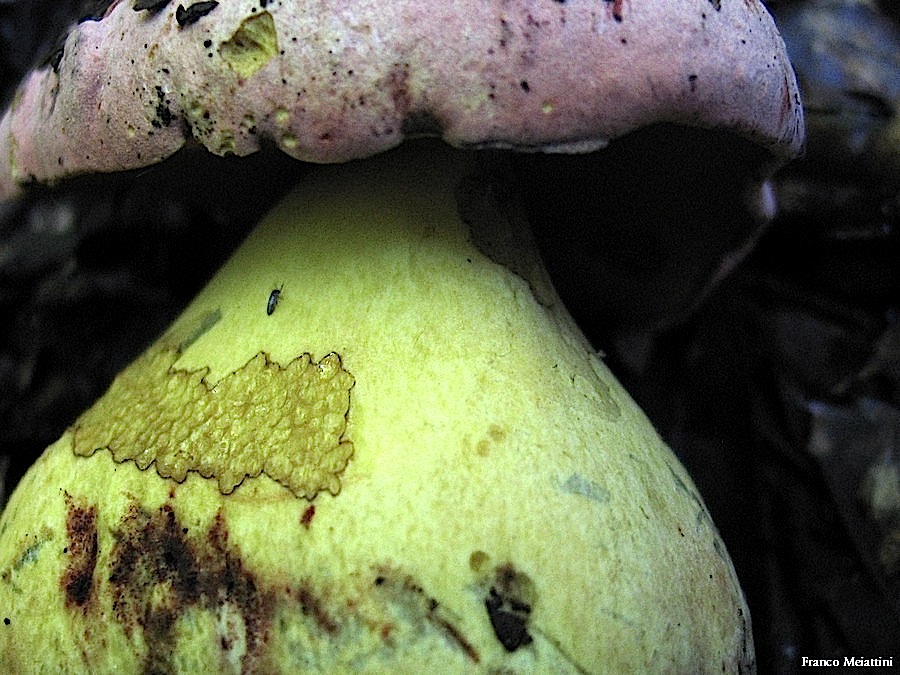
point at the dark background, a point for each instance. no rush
(767, 354)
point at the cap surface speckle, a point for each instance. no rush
(330, 81)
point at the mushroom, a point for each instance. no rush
(376, 440)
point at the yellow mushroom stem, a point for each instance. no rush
(415, 463)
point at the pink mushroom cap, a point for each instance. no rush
(330, 81)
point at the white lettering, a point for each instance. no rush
(818, 663)
(849, 662)
(860, 661)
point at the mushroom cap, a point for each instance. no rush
(331, 81)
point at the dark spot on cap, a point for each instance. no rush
(193, 13)
(164, 116)
(615, 9)
(77, 579)
(152, 6)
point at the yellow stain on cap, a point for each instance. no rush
(285, 421)
(252, 46)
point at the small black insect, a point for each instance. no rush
(152, 6)
(274, 297)
(195, 12)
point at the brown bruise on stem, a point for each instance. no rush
(161, 582)
(157, 573)
(509, 602)
(400, 591)
(285, 421)
(81, 550)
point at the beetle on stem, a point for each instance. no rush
(274, 297)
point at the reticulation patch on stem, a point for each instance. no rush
(285, 421)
